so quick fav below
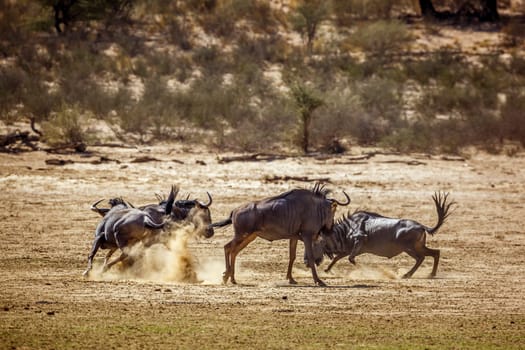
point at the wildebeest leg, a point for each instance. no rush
(419, 259)
(227, 250)
(291, 259)
(123, 241)
(435, 254)
(119, 259)
(356, 250)
(336, 259)
(236, 245)
(96, 245)
(307, 239)
(108, 255)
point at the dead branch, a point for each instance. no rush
(56, 161)
(407, 162)
(18, 137)
(276, 178)
(145, 159)
(113, 145)
(453, 158)
(103, 159)
(68, 148)
(256, 157)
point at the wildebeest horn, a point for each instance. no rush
(210, 201)
(94, 205)
(342, 204)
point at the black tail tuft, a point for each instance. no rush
(442, 209)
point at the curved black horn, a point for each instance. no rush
(94, 205)
(210, 201)
(342, 204)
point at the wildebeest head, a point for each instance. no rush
(115, 203)
(329, 208)
(349, 234)
(197, 213)
(318, 250)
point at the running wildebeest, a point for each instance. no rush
(185, 210)
(299, 214)
(366, 232)
(122, 226)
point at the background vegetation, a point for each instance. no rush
(247, 75)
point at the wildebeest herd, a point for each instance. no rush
(299, 214)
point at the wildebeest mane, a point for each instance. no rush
(371, 213)
(318, 190)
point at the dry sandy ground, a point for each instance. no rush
(46, 231)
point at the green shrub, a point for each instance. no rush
(12, 81)
(418, 137)
(381, 98)
(512, 117)
(382, 38)
(156, 113)
(65, 128)
(443, 66)
(263, 131)
(346, 10)
(336, 118)
(270, 48)
(38, 100)
(179, 33)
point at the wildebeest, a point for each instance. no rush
(122, 226)
(367, 232)
(182, 212)
(299, 214)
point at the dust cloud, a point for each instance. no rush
(169, 260)
(373, 273)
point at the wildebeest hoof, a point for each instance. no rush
(352, 260)
(321, 283)
(406, 275)
(292, 281)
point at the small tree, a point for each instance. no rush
(307, 102)
(310, 13)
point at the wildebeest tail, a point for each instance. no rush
(442, 209)
(223, 223)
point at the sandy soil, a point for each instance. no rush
(477, 299)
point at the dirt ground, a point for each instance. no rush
(476, 301)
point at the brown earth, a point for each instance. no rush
(476, 301)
